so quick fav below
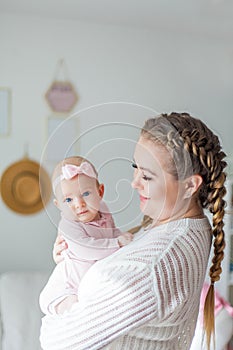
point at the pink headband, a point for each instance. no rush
(69, 171)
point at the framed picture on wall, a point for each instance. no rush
(62, 135)
(5, 106)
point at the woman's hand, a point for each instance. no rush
(66, 304)
(59, 246)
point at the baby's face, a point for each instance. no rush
(79, 198)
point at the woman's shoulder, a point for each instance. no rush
(156, 241)
(180, 227)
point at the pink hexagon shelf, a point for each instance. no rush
(61, 96)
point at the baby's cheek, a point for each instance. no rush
(94, 204)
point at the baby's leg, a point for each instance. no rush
(66, 304)
(53, 292)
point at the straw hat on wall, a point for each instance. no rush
(25, 186)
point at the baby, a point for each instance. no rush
(87, 227)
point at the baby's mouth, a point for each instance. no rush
(82, 212)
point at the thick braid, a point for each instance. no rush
(213, 189)
(211, 196)
(216, 206)
(205, 159)
(205, 147)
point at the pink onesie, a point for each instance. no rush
(87, 243)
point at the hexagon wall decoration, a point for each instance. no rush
(61, 96)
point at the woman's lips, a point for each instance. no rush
(143, 199)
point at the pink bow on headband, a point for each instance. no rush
(69, 170)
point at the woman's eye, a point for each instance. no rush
(134, 165)
(146, 178)
(68, 200)
(85, 194)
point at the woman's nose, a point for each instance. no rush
(136, 183)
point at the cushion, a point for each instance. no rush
(19, 309)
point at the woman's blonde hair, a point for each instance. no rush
(195, 149)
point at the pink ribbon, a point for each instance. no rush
(69, 170)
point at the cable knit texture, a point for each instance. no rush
(145, 296)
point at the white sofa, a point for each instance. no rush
(20, 315)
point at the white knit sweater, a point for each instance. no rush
(143, 297)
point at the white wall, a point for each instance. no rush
(158, 69)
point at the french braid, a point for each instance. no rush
(195, 149)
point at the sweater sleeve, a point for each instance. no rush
(117, 302)
(85, 247)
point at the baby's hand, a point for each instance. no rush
(125, 239)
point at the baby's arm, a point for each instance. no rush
(124, 238)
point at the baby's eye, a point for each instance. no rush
(68, 200)
(134, 165)
(85, 194)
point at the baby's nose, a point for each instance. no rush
(79, 203)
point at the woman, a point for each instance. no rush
(146, 295)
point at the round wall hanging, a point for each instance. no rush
(25, 187)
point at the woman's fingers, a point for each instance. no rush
(59, 246)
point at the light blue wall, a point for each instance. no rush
(157, 70)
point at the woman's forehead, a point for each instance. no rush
(146, 151)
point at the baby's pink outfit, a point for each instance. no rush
(87, 243)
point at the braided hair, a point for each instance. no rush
(195, 149)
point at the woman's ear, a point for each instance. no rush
(101, 190)
(192, 185)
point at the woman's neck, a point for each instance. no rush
(194, 211)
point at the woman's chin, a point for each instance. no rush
(144, 208)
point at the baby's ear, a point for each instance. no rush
(192, 185)
(101, 190)
(55, 202)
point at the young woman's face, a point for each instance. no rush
(161, 194)
(79, 198)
